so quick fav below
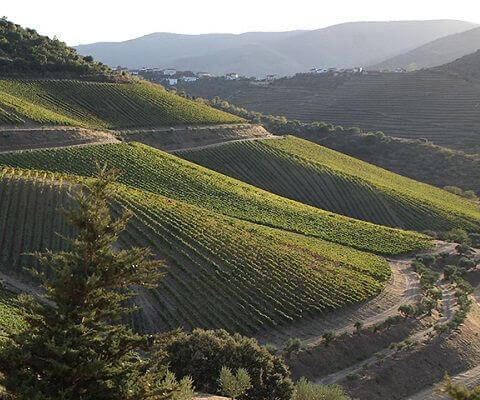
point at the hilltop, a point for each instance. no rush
(440, 51)
(23, 52)
(45, 82)
(100, 105)
(283, 53)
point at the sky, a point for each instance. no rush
(87, 21)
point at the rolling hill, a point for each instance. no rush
(256, 277)
(158, 172)
(323, 178)
(344, 45)
(439, 104)
(24, 52)
(100, 105)
(441, 51)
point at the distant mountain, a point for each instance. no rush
(438, 52)
(173, 50)
(260, 53)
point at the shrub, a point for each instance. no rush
(271, 348)
(467, 263)
(407, 310)
(358, 325)
(464, 249)
(428, 260)
(305, 390)
(202, 354)
(328, 337)
(234, 385)
(293, 345)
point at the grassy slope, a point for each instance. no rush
(222, 272)
(324, 178)
(158, 172)
(100, 105)
(10, 318)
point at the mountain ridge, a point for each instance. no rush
(435, 53)
(302, 49)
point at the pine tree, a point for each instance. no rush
(76, 346)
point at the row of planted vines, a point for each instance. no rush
(101, 105)
(323, 178)
(155, 171)
(222, 272)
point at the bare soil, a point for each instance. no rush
(321, 361)
(28, 138)
(408, 373)
(193, 137)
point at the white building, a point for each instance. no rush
(316, 70)
(231, 76)
(172, 81)
(169, 72)
(189, 78)
(271, 77)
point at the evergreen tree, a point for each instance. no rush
(76, 346)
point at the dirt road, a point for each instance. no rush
(403, 288)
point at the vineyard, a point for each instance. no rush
(100, 105)
(323, 178)
(435, 105)
(157, 172)
(222, 272)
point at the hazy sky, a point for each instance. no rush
(85, 21)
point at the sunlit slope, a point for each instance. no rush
(222, 272)
(11, 320)
(100, 105)
(158, 172)
(312, 174)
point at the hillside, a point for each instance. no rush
(314, 175)
(222, 272)
(158, 172)
(467, 67)
(414, 158)
(435, 104)
(100, 105)
(10, 316)
(440, 51)
(344, 45)
(23, 52)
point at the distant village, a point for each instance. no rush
(172, 77)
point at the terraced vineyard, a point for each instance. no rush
(157, 172)
(100, 105)
(312, 174)
(222, 272)
(439, 106)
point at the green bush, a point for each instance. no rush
(305, 390)
(203, 353)
(234, 385)
(293, 345)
